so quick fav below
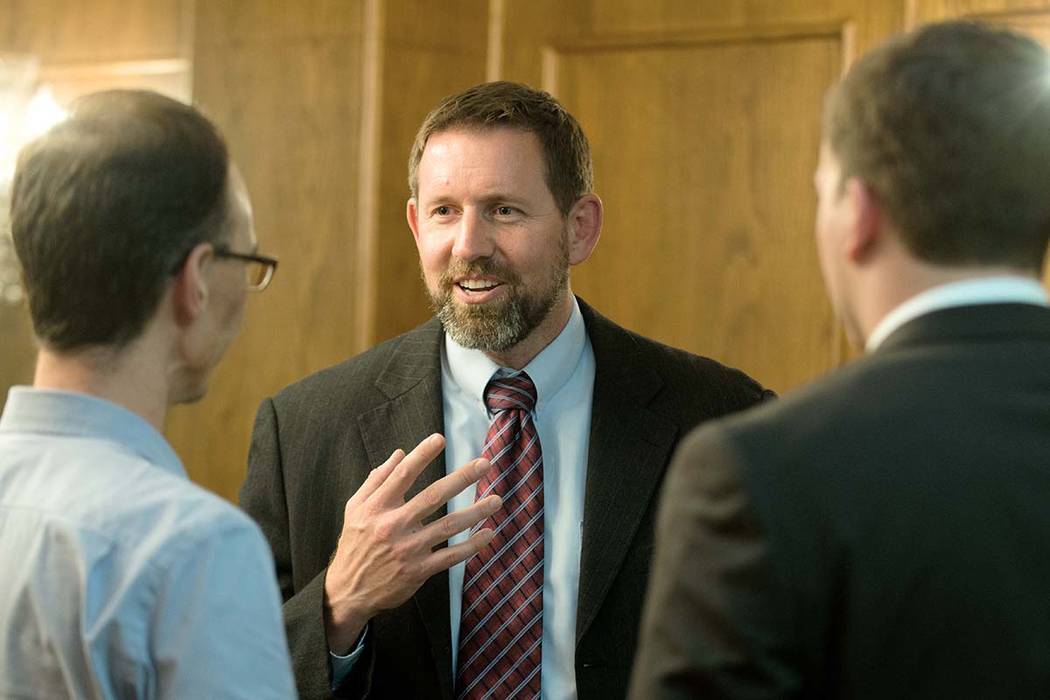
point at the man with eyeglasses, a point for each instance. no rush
(120, 577)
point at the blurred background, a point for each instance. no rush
(703, 117)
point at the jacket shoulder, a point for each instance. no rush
(686, 369)
(356, 376)
(692, 382)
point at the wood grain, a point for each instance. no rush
(94, 31)
(709, 202)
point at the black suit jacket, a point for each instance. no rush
(883, 534)
(314, 443)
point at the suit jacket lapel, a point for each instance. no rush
(629, 448)
(412, 382)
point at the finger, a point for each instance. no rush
(438, 494)
(447, 557)
(375, 478)
(447, 527)
(409, 469)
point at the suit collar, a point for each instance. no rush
(629, 447)
(416, 357)
(971, 324)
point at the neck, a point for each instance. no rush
(119, 376)
(543, 335)
(894, 287)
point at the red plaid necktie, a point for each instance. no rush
(501, 629)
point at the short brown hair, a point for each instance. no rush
(503, 104)
(105, 207)
(949, 125)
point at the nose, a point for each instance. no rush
(473, 237)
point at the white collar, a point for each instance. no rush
(1002, 289)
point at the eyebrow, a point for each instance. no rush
(484, 199)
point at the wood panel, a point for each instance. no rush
(283, 81)
(708, 242)
(1020, 14)
(704, 125)
(17, 352)
(85, 31)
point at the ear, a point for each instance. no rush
(412, 214)
(190, 286)
(585, 227)
(866, 228)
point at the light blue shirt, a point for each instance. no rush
(120, 577)
(1000, 289)
(564, 377)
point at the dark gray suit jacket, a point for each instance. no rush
(314, 443)
(883, 534)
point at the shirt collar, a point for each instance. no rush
(1004, 289)
(52, 412)
(549, 370)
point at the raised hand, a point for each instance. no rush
(385, 553)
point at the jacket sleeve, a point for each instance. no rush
(715, 624)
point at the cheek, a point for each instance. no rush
(433, 253)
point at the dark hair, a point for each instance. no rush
(502, 104)
(104, 208)
(950, 127)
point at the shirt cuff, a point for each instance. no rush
(342, 665)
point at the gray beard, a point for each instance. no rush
(499, 326)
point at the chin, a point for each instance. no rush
(191, 391)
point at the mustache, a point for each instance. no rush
(488, 267)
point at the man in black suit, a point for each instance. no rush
(501, 207)
(885, 533)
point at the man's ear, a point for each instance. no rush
(190, 286)
(585, 227)
(866, 229)
(412, 214)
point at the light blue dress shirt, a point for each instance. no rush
(564, 377)
(120, 577)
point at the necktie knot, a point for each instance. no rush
(513, 392)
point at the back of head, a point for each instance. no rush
(104, 208)
(949, 126)
(503, 104)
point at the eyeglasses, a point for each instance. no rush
(258, 271)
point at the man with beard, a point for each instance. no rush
(575, 418)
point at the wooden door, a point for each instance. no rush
(704, 120)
